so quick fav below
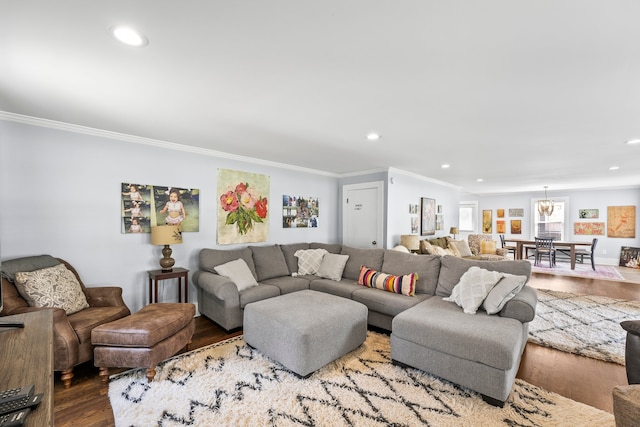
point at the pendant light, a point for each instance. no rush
(545, 207)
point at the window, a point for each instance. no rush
(553, 225)
(468, 217)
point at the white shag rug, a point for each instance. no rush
(230, 384)
(586, 325)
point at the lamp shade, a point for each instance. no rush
(454, 230)
(166, 235)
(410, 241)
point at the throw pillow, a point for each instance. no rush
(52, 287)
(462, 247)
(488, 247)
(426, 248)
(309, 260)
(332, 266)
(473, 288)
(437, 250)
(405, 285)
(507, 288)
(238, 272)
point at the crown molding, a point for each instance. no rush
(69, 127)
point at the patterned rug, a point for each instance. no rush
(230, 384)
(582, 270)
(586, 325)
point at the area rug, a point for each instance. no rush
(231, 384)
(586, 325)
(582, 270)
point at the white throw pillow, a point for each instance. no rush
(309, 260)
(507, 288)
(238, 272)
(473, 287)
(52, 287)
(462, 247)
(332, 266)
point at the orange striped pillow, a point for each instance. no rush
(405, 285)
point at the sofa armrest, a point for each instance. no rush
(522, 307)
(501, 251)
(220, 287)
(631, 326)
(104, 296)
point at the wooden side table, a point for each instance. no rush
(177, 273)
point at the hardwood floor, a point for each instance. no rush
(589, 381)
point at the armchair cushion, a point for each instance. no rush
(31, 263)
(52, 287)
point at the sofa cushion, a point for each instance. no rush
(332, 266)
(31, 263)
(405, 285)
(452, 268)
(309, 260)
(343, 288)
(330, 247)
(53, 287)
(387, 303)
(473, 288)
(288, 250)
(269, 262)
(503, 292)
(372, 258)
(210, 258)
(426, 248)
(426, 266)
(238, 272)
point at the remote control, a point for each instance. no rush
(14, 419)
(18, 398)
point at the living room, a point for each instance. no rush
(63, 178)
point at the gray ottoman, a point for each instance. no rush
(305, 330)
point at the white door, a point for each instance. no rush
(362, 215)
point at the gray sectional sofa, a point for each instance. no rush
(479, 351)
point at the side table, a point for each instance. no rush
(177, 273)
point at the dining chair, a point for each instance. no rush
(508, 248)
(588, 253)
(544, 248)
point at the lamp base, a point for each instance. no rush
(167, 262)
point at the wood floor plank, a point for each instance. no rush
(589, 381)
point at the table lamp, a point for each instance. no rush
(166, 235)
(454, 231)
(410, 241)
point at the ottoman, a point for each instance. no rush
(144, 339)
(305, 330)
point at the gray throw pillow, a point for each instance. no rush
(238, 272)
(332, 266)
(507, 288)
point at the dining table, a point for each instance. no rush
(571, 246)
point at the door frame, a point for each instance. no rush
(379, 186)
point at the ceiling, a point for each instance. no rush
(523, 94)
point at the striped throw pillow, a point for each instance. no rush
(405, 285)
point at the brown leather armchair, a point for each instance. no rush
(626, 399)
(632, 350)
(71, 333)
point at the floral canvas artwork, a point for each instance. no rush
(589, 228)
(243, 207)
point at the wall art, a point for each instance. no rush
(588, 213)
(629, 257)
(439, 222)
(487, 222)
(516, 226)
(621, 221)
(500, 213)
(242, 214)
(415, 225)
(143, 206)
(501, 226)
(300, 212)
(427, 216)
(589, 228)
(517, 212)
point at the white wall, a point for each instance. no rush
(61, 196)
(408, 189)
(577, 199)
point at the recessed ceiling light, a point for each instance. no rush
(373, 136)
(445, 166)
(479, 180)
(614, 168)
(633, 141)
(129, 36)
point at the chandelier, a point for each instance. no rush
(545, 207)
